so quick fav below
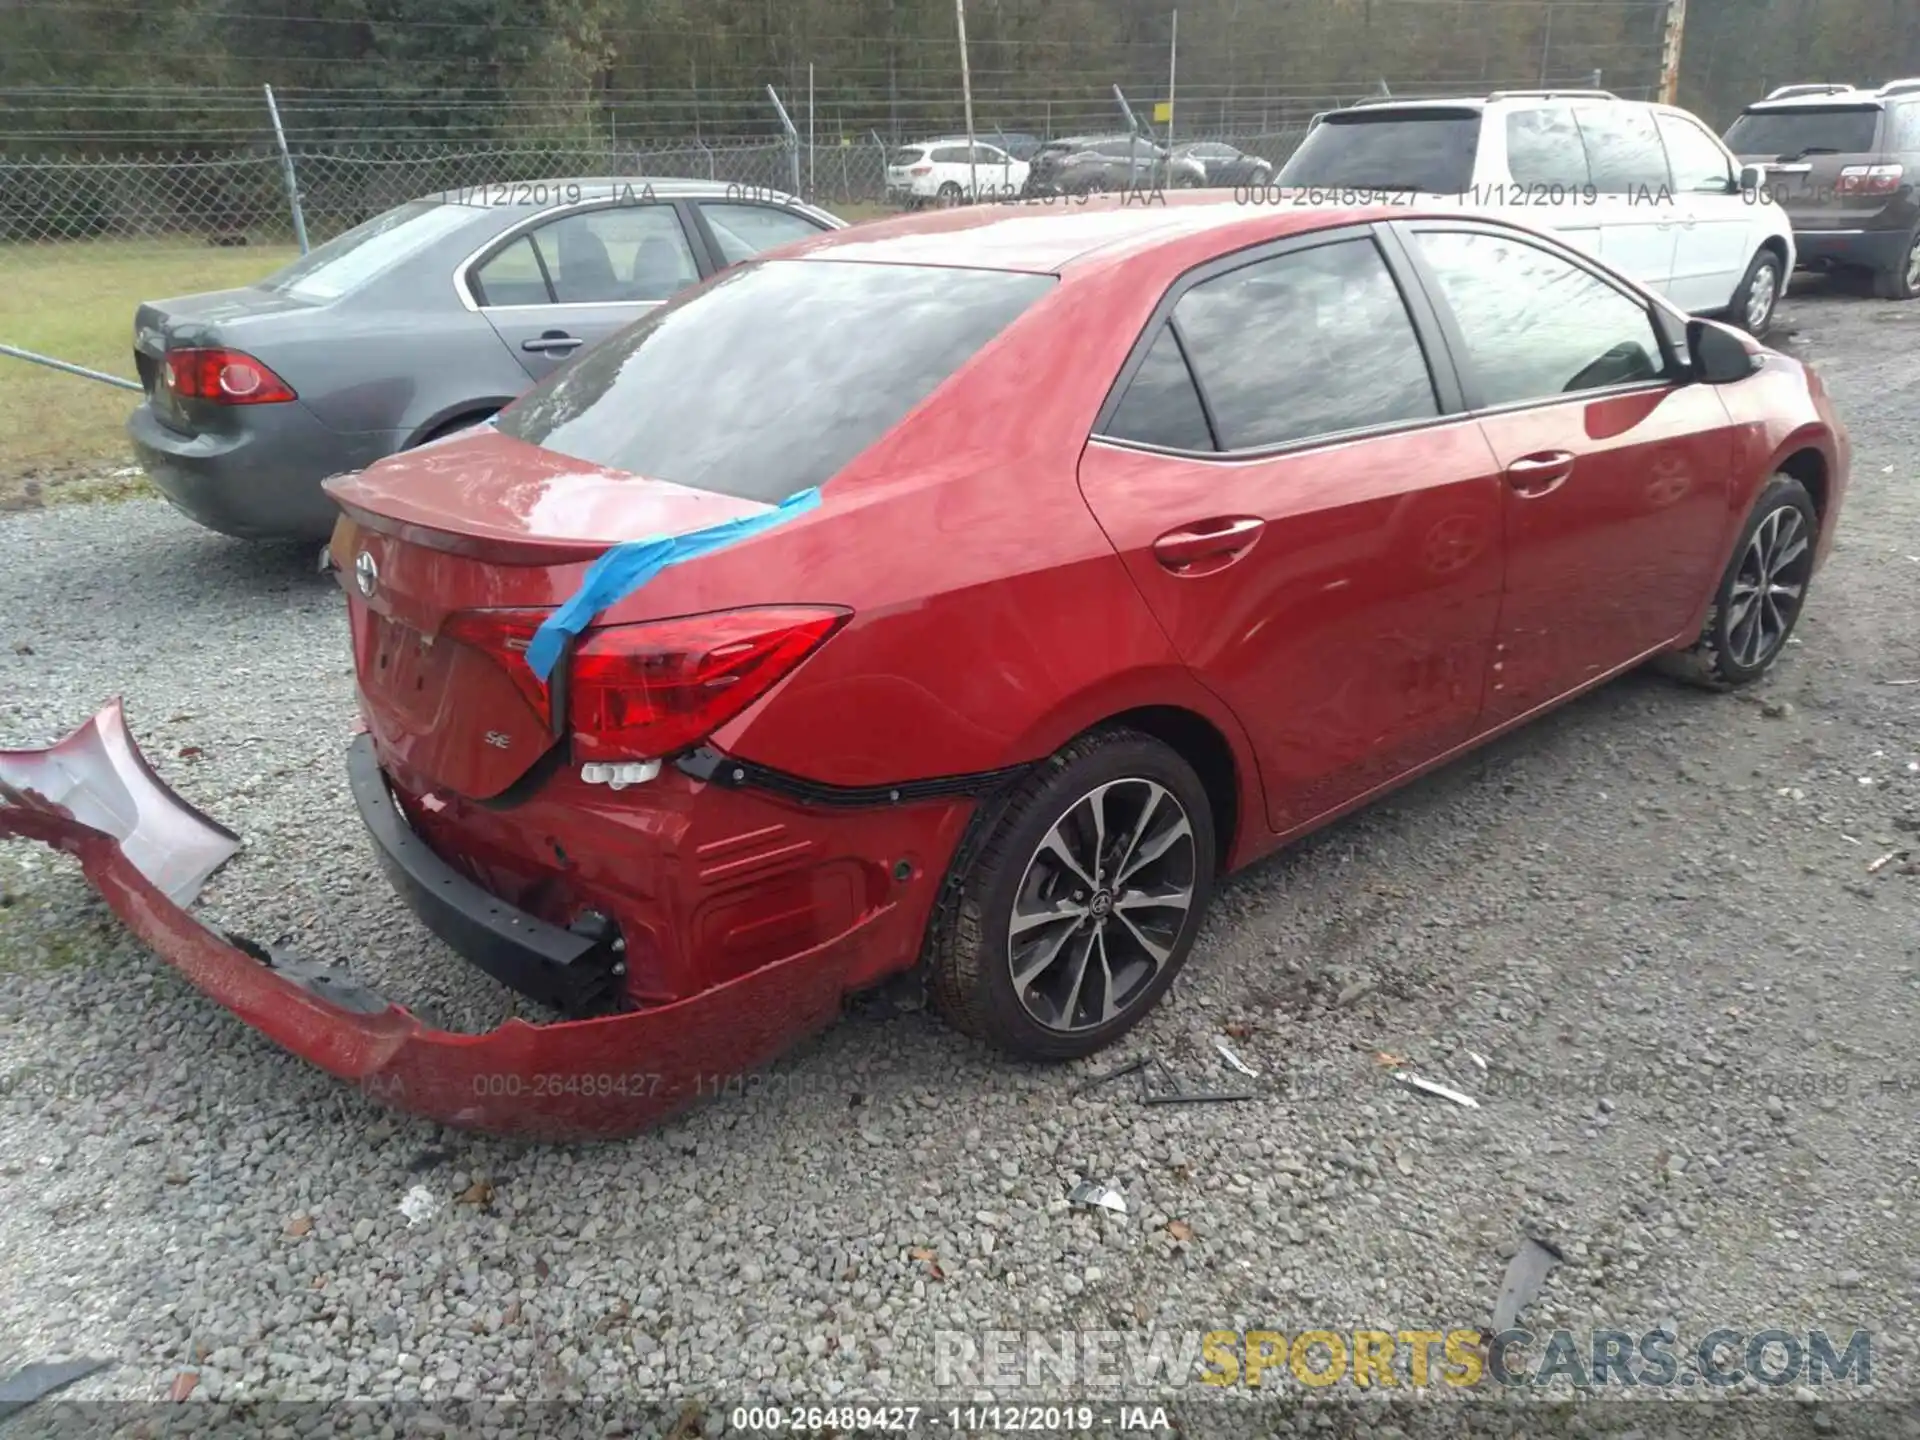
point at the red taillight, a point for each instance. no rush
(921, 170)
(502, 636)
(646, 691)
(224, 377)
(1870, 180)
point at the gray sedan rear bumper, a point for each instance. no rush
(261, 482)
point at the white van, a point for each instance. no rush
(1649, 189)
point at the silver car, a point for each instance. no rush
(422, 321)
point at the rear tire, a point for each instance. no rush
(1758, 296)
(1051, 884)
(949, 195)
(1902, 282)
(1762, 594)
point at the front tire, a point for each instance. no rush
(1754, 303)
(1074, 904)
(1902, 282)
(1761, 596)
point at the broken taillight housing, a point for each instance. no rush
(224, 377)
(651, 689)
(645, 691)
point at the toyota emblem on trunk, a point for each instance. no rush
(366, 574)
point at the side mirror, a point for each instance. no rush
(1719, 356)
(1753, 180)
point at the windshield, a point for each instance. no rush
(1432, 152)
(1836, 129)
(774, 377)
(350, 260)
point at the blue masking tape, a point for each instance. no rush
(628, 566)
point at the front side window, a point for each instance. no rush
(772, 378)
(1696, 158)
(743, 231)
(1536, 326)
(1310, 343)
(1624, 153)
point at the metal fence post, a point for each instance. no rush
(286, 168)
(793, 137)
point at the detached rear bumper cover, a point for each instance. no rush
(148, 853)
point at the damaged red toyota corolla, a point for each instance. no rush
(968, 593)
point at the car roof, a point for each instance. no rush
(594, 186)
(1040, 237)
(1834, 100)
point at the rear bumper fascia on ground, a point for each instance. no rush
(148, 852)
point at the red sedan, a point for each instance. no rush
(972, 591)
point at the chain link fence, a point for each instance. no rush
(241, 199)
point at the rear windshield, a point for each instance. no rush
(1432, 152)
(350, 260)
(1822, 129)
(901, 158)
(775, 377)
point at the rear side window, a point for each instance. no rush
(1544, 149)
(773, 377)
(1305, 344)
(1905, 136)
(1429, 152)
(1695, 157)
(1624, 153)
(1162, 405)
(1814, 129)
(950, 155)
(1535, 326)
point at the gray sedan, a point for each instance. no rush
(424, 320)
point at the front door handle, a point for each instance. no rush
(1224, 539)
(554, 342)
(1541, 474)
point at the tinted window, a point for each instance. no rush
(773, 378)
(1833, 129)
(901, 159)
(1624, 153)
(368, 250)
(513, 277)
(1695, 157)
(1905, 129)
(1305, 344)
(1544, 148)
(1431, 152)
(1534, 325)
(743, 231)
(950, 155)
(1161, 406)
(622, 255)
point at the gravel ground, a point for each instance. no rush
(1650, 913)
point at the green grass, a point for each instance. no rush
(75, 302)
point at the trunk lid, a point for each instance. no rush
(480, 522)
(1805, 150)
(216, 317)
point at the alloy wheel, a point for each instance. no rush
(1760, 298)
(1101, 905)
(1913, 265)
(1769, 586)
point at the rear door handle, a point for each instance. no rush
(1226, 538)
(1541, 474)
(557, 341)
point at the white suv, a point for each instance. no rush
(938, 170)
(1646, 188)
